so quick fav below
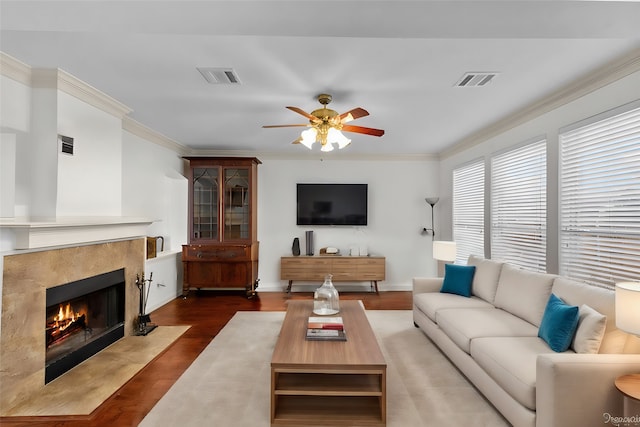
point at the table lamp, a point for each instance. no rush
(443, 252)
(628, 307)
(628, 320)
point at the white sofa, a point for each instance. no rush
(492, 337)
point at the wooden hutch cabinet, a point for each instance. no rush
(223, 235)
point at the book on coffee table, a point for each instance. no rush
(326, 335)
(320, 322)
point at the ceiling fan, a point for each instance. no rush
(326, 125)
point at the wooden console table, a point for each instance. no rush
(342, 268)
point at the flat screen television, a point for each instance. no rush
(331, 204)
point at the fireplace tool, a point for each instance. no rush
(144, 320)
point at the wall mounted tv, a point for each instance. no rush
(331, 204)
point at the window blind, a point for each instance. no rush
(600, 198)
(468, 210)
(519, 206)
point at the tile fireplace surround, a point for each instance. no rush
(26, 277)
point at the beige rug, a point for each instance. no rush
(229, 383)
(81, 390)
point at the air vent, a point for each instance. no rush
(220, 76)
(476, 79)
(66, 144)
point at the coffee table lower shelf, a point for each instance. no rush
(319, 398)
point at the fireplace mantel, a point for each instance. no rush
(61, 231)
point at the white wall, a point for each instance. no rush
(153, 186)
(90, 180)
(611, 96)
(7, 175)
(397, 214)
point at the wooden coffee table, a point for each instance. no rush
(328, 382)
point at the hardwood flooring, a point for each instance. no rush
(207, 312)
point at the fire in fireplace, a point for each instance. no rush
(82, 318)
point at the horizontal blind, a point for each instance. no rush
(468, 210)
(519, 206)
(600, 199)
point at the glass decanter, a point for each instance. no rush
(325, 299)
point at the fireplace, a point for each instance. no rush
(26, 278)
(82, 318)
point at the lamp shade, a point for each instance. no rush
(628, 307)
(308, 137)
(444, 251)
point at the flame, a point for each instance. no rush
(66, 316)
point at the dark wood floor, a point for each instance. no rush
(207, 313)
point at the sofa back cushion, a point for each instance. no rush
(523, 293)
(485, 280)
(601, 300)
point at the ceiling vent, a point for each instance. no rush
(219, 76)
(476, 79)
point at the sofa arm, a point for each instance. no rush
(578, 389)
(426, 284)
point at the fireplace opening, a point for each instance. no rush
(82, 318)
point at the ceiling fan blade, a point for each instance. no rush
(356, 113)
(304, 113)
(284, 126)
(361, 129)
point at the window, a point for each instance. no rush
(600, 198)
(519, 206)
(468, 210)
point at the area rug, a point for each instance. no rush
(229, 383)
(81, 390)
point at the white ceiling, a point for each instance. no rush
(398, 59)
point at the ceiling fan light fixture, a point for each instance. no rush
(326, 126)
(308, 137)
(327, 147)
(334, 136)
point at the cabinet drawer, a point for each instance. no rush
(216, 253)
(371, 275)
(370, 261)
(304, 262)
(304, 268)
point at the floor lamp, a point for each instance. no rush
(444, 252)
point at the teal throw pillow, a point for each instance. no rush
(458, 279)
(559, 323)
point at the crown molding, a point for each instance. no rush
(138, 129)
(591, 82)
(14, 69)
(315, 155)
(48, 78)
(52, 78)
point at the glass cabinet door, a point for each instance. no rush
(205, 204)
(236, 203)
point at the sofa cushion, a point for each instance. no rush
(458, 279)
(590, 331)
(465, 324)
(559, 323)
(485, 280)
(523, 293)
(511, 362)
(430, 302)
(601, 300)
